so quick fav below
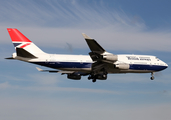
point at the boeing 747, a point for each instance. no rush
(97, 65)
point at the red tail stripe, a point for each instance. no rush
(25, 45)
(17, 36)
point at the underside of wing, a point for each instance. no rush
(55, 71)
(75, 75)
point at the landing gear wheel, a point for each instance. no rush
(94, 80)
(152, 78)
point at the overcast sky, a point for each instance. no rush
(120, 26)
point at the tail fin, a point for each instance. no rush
(22, 42)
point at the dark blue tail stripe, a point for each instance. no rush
(16, 44)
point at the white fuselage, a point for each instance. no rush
(137, 63)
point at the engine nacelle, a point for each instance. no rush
(112, 58)
(101, 76)
(74, 77)
(122, 66)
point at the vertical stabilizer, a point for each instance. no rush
(21, 41)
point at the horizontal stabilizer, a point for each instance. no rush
(55, 71)
(23, 53)
(11, 58)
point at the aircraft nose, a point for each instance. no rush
(166, 65)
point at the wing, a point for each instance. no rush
(98, 54)
(55, 71)
(75, 75)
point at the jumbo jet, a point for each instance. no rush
(97, 65)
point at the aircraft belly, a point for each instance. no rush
(76, 66)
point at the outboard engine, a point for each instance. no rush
(74, 77)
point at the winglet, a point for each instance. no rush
(86, 36)
(39, 69)
(51, 71)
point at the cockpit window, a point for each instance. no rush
(157, 59)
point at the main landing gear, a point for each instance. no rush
(94, 80)
(152, 76)
(93, 77)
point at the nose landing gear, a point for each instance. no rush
(152, 76)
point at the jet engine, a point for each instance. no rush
(74, 77)
(112, 57)
(122, 66)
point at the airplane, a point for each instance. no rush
(97, 65)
